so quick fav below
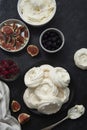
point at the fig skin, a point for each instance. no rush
(7, 30)
(23, 118)
(33, 50)
(15, 106)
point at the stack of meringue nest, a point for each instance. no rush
(47, 88)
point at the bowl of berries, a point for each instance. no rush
(51, 40)
(9, 70)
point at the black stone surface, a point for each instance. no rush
(71, 19)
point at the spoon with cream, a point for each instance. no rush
(73, 113)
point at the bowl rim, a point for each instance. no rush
(35, 25)
(62, 37)
(22, 23)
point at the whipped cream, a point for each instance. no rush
(80, 58)
(76, 111)
(37, 12)
(44, 93)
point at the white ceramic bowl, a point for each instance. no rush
(59, 33)
(34, 23)
(18, 22)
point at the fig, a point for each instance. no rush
(17, 32)
(7, 30)
(14, 26)
(12, 41)
(26, 34)
(15, 106)
(7, 39)
(23, 118)
(21, 28)
(20, 39)
(4, 44)
(18, 44)
(33, 50)
(2, 37)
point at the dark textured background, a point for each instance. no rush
(71, 19)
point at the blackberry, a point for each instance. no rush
(51, 40)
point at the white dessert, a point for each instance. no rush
(30, 99)
(33, 77)
(80, 58)
(44, 92)
(37, 12)
(50, 106)
(46, 69)
(62, 77)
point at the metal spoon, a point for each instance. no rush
(73, 113)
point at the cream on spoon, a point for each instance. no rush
(73, 113)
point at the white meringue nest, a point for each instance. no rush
(47, 88)
(80, 58)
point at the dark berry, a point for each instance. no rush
(52, 34)
(45, 36)
(51, 40)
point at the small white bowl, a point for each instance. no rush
(59, 33)
(18, 22)
(34, 23)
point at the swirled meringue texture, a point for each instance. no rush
(33, 77)
(47, 88)
(80, 58)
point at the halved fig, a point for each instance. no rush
(15, 106)
(21, 28)
(23, 118)
(2, 37)
(18, 30)
(33, 50)
(14, 26)
(18, 44)
(7, 30)
(8, 46)
(7, 38)
(4, 44)
(26, 34)
(20, 39)
(12, 42)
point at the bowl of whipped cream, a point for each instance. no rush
(36, 12)
(47, 88)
